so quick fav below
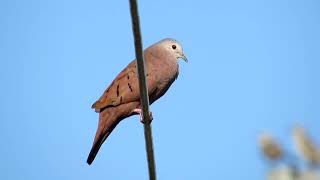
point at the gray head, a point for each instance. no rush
(173, 46)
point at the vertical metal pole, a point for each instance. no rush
(143, 88)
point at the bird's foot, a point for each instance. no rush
(139, 111)
(150, 118)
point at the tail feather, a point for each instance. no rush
(109, 118)
(95, 148)
(107, 122)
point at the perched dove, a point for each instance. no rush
(122, 98)
(305, 146)
(270, 148)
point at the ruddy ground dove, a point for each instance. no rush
(122, 98)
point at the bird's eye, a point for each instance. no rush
(174, 47)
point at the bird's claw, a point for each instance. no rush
(150, 118)
(139, 111)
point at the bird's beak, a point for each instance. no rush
(184, 57)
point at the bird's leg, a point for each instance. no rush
(139, 111)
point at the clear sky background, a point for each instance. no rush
(253, 66)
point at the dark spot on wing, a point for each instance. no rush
(128, 77)
(129, 85)
(118, 90)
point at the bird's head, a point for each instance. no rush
(174, 47)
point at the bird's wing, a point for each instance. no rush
(125, 88)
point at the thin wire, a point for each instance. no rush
(143, 88)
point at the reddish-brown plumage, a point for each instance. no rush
(123, 96)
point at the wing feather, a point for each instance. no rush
(124, 89)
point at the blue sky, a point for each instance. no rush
(253, 66)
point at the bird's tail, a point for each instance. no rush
(107, 122)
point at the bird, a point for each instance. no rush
(306, 148)
(122, 98)
(270, 147)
